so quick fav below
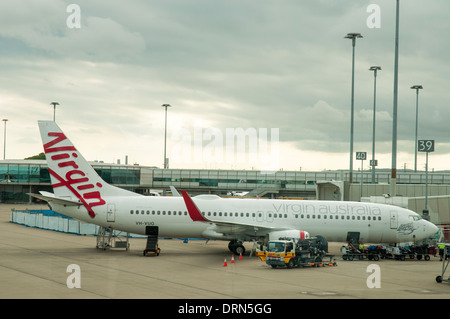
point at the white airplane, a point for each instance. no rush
(80, 193)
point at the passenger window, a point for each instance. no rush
(131, 212)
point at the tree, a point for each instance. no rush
(38, 157)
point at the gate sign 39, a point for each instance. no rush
(425, 146)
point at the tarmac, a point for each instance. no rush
(36, 263)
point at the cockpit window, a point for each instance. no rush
(414, 218)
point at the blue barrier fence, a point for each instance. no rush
(50, 220)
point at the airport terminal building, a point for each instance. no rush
(19, 177)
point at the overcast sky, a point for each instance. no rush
(281, 67)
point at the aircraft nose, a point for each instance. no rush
(431, 228)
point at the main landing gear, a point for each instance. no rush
(236, 247)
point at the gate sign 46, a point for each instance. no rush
(425, 146)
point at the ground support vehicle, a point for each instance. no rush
(393, 253)
(409, 252)
(371, 253)
(424, 251)
(445, 261)
(152, 248)
(302, 253)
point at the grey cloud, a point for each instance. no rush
(244, 64)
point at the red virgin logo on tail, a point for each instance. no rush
(75, 180)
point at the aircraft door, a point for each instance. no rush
(394, 220)
(353, 237)
(111, 213)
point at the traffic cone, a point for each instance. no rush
(225, 263)
(240, 256)
(232, 259)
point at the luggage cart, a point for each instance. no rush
(445, 261)
(424, 251)
(350, 253)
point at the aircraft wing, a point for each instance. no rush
(49, 197)
(227, 227)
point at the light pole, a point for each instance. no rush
(373, 164)
(4, 140)
(165, 134)
(417, 88)
(393, 184)
(352, 36)
(54, 109)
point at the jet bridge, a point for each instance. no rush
(332, 190)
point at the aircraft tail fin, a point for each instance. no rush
(72, 177)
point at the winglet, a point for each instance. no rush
(193, 210)
(174, 191)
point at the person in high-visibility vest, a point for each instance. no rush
(441, 250)
(361, 247)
